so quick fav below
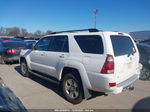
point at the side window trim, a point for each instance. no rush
(66, 40)
(50, 44)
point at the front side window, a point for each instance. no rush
(59, 44)
(43, 44)
(90, 44)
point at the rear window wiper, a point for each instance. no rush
(131, 54)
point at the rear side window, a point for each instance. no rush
(90, 44)
(122, 45)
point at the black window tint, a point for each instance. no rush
(59, 44)
(90, 44)
(43, 44)
(65, 47)
(122, 45)
(14, 44)
(0, 44)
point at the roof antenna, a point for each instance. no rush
(95, 17)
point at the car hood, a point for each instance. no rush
(8, 101)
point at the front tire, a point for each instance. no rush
(72, 88)
(24, 69)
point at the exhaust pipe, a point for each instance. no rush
(131, 88)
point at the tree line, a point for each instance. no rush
(16, 31)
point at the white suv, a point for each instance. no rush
(84, 60)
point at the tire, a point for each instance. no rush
(145, 73)
(72, 88)
(24, 69)
(2, 60)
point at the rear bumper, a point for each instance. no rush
(125, 85)
(11, 58)
(100, 82)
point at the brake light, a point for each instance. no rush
(112, 84)
(11, 51)
(108, 67)
(5, 40)
(120, 34)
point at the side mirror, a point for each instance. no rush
(31, 46)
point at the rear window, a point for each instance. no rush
(122, 45)
(90, 44)
(14, 44)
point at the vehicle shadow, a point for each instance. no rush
(43, 82)
(54, 87)
(142, 105)
(10, 63)
(148, 79)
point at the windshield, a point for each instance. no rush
(122, 45)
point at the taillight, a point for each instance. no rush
(108, 67)
(5, 40)
(11, 51)
(112, 84)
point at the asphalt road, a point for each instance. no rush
(36, 93)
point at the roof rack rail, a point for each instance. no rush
(70, 31)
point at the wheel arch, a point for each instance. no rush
(21, 59)
(77, 67)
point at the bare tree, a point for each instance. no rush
(48, 32)
(7, 31)
(23, 32)
(2, 31)
(15, 31)
(38, 33)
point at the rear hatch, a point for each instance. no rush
(126, 57)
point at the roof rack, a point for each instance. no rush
(70, 31)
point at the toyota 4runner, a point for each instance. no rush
(84, 60)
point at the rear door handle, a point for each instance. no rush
(62, 56)
(42, 55)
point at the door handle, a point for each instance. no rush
(43, 54)
(62, 56)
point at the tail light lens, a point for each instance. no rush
(11, 51)
(112, 84)
(5, 40)
(108, 67)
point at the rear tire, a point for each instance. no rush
(24, 69)
(145, 73)
(72, 88)
(2, 60)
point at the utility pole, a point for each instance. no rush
(95, 15)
